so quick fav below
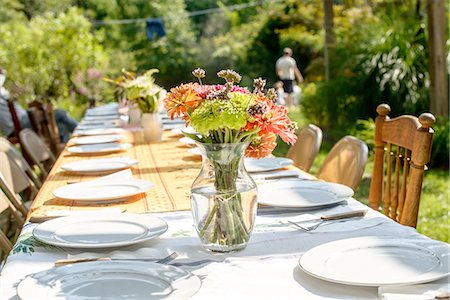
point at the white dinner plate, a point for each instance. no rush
(195, 151)
(104, 123)
(131, 280)
(302, 194)
(95, 126)
(266, 163)
(99, 131)
(99, 231)
(377, 261)
(100, 118)
(99, 165)
(180, 130)
(98, 148)
(97, 190)
(86, 140)
(187, 141)
(102, 112)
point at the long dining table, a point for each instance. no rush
(268, 268)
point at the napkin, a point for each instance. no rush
(413, 292)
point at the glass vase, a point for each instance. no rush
(223, 198)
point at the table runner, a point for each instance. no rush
(167, 164)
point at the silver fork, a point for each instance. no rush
(333, 218)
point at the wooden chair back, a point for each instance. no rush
(15, 156)
(402, 150)
(7, 211)
(37, 150)
(305, 150)
(42, 123)
(345, 162)
(17, 172)
(16, 200)
(17, 129)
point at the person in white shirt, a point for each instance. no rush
(287, 71)
(65, 123)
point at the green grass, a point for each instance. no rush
(434, 211)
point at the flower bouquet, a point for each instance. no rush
(230, 121)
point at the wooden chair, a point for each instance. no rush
(304, 151)
(42, 123)
(17, 172)
(9, 216)
(345, 163)
(15, 157)
(37, 150)
(17, 129)
(405, 143)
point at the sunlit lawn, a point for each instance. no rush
(435, 200)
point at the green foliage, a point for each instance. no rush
(144, 91)
(440, 150)
(43, 55)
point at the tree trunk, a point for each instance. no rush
(437, 64)
(329, 35)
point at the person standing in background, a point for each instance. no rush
(287, 71)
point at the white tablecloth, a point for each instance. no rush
(266, 269)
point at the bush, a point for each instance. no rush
(42, 56)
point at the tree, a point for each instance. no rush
(44, 54)
(437, 64)
(328, 17)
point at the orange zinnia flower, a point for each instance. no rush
(180, 99)
(261, 146)
(275, 120)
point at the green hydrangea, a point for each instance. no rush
(218, 114)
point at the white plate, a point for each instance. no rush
(374, 261)
(180, 130)
(99, 165)
(95, 126)
(102, 112)
(187, 141)
(266, 163)
(195, 151)
(302, 194)
(99, 231)
(86, 140)
(97, 190)
(98, 148)
(99, 131)
(110, 280)
(99, 118)
(104, 123)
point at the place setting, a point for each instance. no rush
(117, 186)
(87, 140)
(98, 131)
(101, 165)
(86, 278)
(99, 148)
